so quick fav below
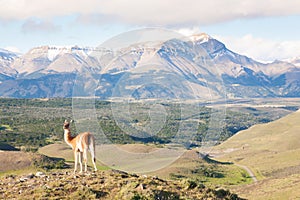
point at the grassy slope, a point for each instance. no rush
(106, 184)
(272, 152)
(186, 166)
(192, 167)
(14, 160)
(62, 150)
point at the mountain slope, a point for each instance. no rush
(272, 151)
(48, 60)
(199, 67)
(6, 59)
(58, 85)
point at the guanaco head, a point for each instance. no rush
(66, 124)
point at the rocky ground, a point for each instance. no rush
(108, 184)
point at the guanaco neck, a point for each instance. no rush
(68, 138)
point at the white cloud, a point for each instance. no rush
(170, 13)
(33, 25)
(189, 31)
(262, 49)
(146, 12)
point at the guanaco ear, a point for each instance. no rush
(66, 124)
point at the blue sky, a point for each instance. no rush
(263, 29)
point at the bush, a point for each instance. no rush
(165, 195)
(47, 163)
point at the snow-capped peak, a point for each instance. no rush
(4, 51)
(202, 37)
(56, 50)
(6, 58)
(295, 61)
(7, 55)
(53, 51)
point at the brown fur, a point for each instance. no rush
(80, 144)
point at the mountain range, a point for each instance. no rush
(197, 67)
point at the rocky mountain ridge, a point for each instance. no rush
(202, 66)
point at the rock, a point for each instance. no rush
(10, 176)
(119, 172)
(142, 186)
(135, 175)
(59, 188)
(124, 176)
(158, 179)
(30, 176)
(40, 174)
(75, 176)
(102, 181)
(23, 179)
(47, 186)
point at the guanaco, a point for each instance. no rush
(81, 144)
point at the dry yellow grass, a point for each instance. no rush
(58, 150)
(138, 148)
(109, 184)
(14, 160)
(272, 152)
(185, 165)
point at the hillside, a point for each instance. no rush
(104, 184)
(188, 166)
(272, 152)
(14, 160)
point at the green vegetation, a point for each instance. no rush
(4, 127)
(33, 123)
(205, 171)
(48, 163)
(271, 151)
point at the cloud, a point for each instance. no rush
(149, 12)
(262, 49)
(34, 25)
(98, 19)
(189, 31)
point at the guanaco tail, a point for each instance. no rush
(81, 144)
